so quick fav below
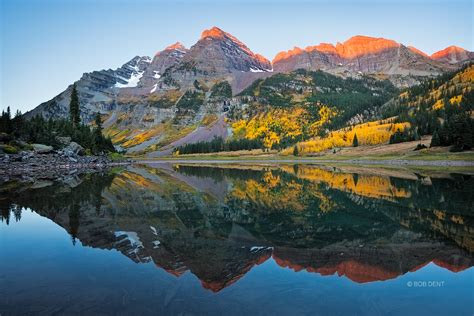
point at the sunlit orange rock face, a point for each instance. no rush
(417, 51)
(323, 48)
(217, 285)
(452, 55)
(453, 267)
(354, 47)
(287, 54)
(368, 266)
(176, 45)
(360, 54)
(218, 52)
(363, 45)
(352, 269)
(214, 32)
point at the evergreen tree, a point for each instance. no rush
(295, 151)
(98, 138)
(435, 140)
(74, 112)
(355, 141)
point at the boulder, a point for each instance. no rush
(38, 184)
(42, 149)
(73, 149)
(63, 140)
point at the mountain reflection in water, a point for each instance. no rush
(218, 222)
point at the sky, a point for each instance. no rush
(48, 44)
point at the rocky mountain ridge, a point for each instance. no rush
(370, 55)
(221, 56)
(157, 99)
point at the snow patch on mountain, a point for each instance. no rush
(260, 70)
(132, 82)
(258, 248)
(132, 237)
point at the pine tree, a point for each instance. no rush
(98, 123)
(295, 151)
(98, 133)
(355, 141)
(74, 112)
(435, 140)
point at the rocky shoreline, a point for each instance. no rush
(32, 166)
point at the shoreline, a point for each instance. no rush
(374, 162)
(32, 167)
(53, 166)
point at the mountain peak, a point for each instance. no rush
(229, 53)
(176, 46)
(213, 32)
(363, 39)
(287, 54)
(452, 55)
(448, 50)
(362, 45)
(322, 47)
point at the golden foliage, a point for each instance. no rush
(365, 185)
(142, 136)
(271, 193)
(117, 136)
(208, 119)
(371, 133)
(171, 95)
(463, 81)
(456, 99)
(439, 104)
(275, 125)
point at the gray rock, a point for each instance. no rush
(65, 141)
(42, 149)
(41, 184)
(73, 149)
(72, 181)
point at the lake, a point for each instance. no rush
(233, 239)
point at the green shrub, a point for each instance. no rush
(116, 157)
(8, 149)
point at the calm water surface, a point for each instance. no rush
(169, 239)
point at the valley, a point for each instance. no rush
(206, 157)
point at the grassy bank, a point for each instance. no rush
(393, 156)
(415, 156)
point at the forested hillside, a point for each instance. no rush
(306, 112)
(441, 107)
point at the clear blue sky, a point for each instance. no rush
(48, 44)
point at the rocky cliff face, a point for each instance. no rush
(170, 56)
(221, 56)
(361, 54)
(97, 90)
(217, 54)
